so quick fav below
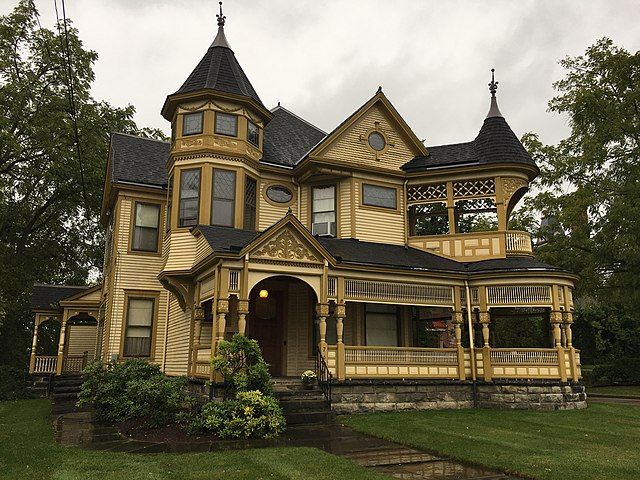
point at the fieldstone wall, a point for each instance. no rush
(385, 396)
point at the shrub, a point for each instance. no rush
(250, 415)
(13, 383)
(623, 371)
(133, 388)
(241, 364)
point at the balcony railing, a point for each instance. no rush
(518, 243)
(474, 246)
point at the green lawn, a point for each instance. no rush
(601, 442)
(621, 391)
(27, 451)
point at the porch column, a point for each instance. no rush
(63, 335)
(555, 317)
(223, 309)
(243, 310)
(34, 344)
(322, 310)
(457, 319)
(340, 314)
(485, 320)
(567, 319)
(198, 317)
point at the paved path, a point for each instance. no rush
(74, 427)
(593, 398)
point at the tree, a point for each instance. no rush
(588, 193)
(53, 150)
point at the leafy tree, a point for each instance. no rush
(50, 178)
(588, 193)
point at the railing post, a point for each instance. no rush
(340, 314)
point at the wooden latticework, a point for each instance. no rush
(474, 188)
(426, 192)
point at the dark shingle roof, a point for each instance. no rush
(288, 137)
(219, 70)
(511, 264)
(227, 239)
(48, 296)
(495, 143)
(139, 160)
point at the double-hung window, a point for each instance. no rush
(324, 211)
(189, 197)
(145, 227)
(139, 328)
(224, 197)
(250, 196)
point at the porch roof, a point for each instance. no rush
(48, 297)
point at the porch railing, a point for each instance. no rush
(45, 364)
(524, 356)
(323, 375)
(401, 355)
(75, 363)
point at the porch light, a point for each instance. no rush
(263, 293)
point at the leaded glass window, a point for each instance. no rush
(192, 123)
(224, 197)
(226, 124)
(137, 340)
(378, 196)
(250, 196)
(145, 227)
(253, 134)
(189, 197)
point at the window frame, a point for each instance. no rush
(335, 204)
(134, 212)
(215, 126)
(169, 205)
(182, 172)
(153, 296)
(235, 195)
(184, 121)
(249, 124)
(249, 178)
(395, 208)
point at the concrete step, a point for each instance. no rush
(299, 418)
(304, 405)
(65, 396)
(66, 389)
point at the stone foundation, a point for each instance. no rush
(385, 396)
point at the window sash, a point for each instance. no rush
(250, 198)
(378, 196)
(224, 197)
(226, 124)
(139, 328)
(145, 228)
(189, 197)
(192, 123)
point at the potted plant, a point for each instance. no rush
(308, 379)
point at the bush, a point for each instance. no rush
(250, 415)
(133, 388)
(623, 371)
(241, 364)
(13, 383)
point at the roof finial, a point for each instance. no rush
(493, 85)
(379, 89)
(221, 18)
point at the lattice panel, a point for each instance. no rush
(474, 188)
(430, 191)
(398, 292)
(519, 295)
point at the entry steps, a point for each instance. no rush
(301, 406)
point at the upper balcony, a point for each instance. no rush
(471, 247)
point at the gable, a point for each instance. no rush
(348, 144)
(287, 245)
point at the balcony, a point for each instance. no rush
(476, 246)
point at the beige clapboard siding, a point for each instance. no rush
(352, 145)
(82, 338)
(182, 251)
(203, 249)
(270, 213)
(344, 206)
(177, 357)
(376, 225)
(298, 330)
(304, 203)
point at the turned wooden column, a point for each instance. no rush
(34, 344)
(222, 310)
(457, 319)
(340, 314)
(485, 320)
(198, 317)
(63, 335)
(555, 317)
(567, 319)
(243, 310)
(322, 310)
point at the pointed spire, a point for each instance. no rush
(220, 40)
(494, 111)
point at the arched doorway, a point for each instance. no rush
(281, 319)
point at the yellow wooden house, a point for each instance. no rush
(383, 260)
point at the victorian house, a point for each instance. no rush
(361, 249)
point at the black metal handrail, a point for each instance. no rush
(323, 375)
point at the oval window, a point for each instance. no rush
(279, 194)
(376, 141)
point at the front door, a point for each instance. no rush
(265, 325)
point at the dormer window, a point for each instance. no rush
(253, 134)
(226, 124)
(192, 123)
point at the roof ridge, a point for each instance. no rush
(280, 107)
(140, 137)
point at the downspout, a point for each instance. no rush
(405, 214)
(472, 352)
(166, 333)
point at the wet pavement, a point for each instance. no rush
(74, 427)
(593, 398)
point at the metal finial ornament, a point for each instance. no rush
(493, 85)
(379, 89)
(221, 18)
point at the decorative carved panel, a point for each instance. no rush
(510, 186)
(287, 246)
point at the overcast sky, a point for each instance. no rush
(323, 59)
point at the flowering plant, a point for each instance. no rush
(308, 377)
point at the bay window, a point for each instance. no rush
(224, 198)
(189, 197)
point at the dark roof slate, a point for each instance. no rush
(511, 264)
(227, 239)
(139, 160)
(49, 296)
(219, 70)
(495, 143)
(288, 137)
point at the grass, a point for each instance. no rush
(28, 451)
(599, 443)
(618, 391)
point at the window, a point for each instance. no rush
(381, 324)
(192, 123)
(169, 202)
(226, 124)
(137, 340)
(224, 197)
(253, 134)
(429, 219)
(145, 227)
(249, 220)
(476, 215)
(279, 194)
(324, 211)
(376, 141)
(189, 197)
(376, 196)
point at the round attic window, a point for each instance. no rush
(376, 141)
(279, 194)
